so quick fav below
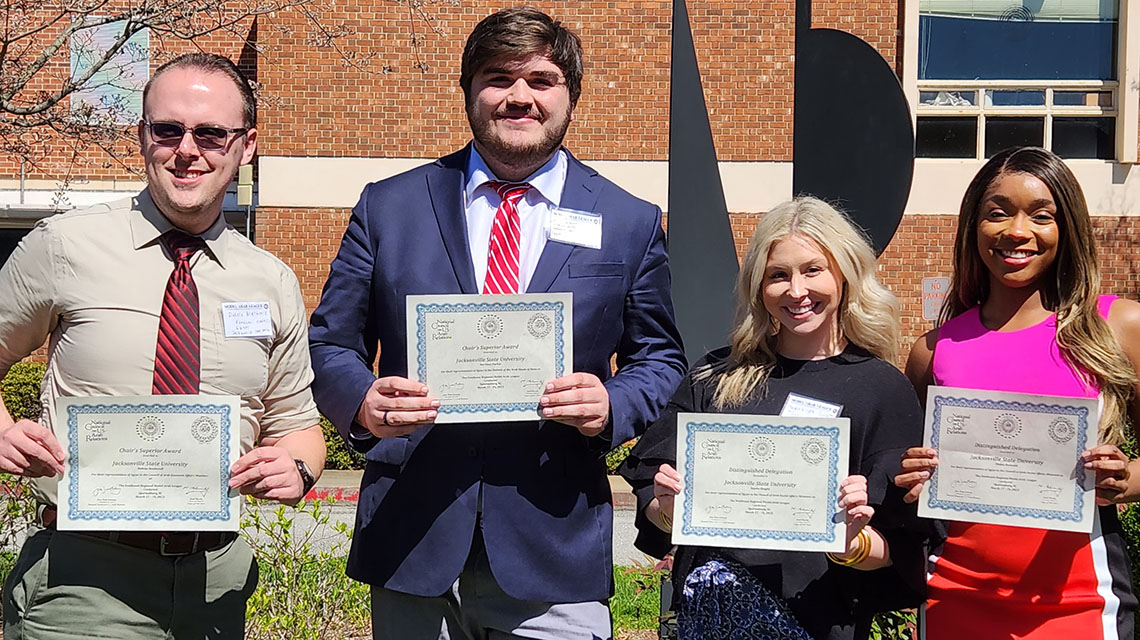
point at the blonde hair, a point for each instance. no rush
(868, 312)
(1071, 289)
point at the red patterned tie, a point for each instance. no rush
(177, 358)
(503, 257)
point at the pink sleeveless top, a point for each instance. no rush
(997, 582)
(971, 356)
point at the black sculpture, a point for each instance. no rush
(702, 254)
(853, 140)
(853, 146)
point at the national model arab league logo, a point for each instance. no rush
(1007, 425)
(490, 326)
(762, 449)
(150, 428)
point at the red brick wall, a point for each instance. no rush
(922, 248)
(745, 51)
(306, 240)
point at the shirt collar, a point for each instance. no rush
(548, 181)
(148, 224)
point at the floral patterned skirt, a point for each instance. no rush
(721, 600)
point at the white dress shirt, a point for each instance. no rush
(481, 202)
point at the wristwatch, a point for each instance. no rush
(307, 478)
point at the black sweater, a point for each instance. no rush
(830, 601)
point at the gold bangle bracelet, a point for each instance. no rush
(864, 547)
(666, 519)
(862, 552)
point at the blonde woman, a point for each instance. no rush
(1024, 315)
(813, 321)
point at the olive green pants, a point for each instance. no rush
(68, 585)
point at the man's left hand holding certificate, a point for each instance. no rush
(489, 358)
(149, 463)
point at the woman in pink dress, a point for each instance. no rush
(1024, 315)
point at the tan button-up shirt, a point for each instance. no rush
(94, 281)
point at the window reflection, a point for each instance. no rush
(1029, 40)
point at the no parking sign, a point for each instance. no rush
(933, 293)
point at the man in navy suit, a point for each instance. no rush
(496, 530)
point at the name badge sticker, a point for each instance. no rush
(580, 228)
(247, 320)
(798, 406)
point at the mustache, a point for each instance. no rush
(518, 112)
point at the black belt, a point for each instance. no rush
(178, 543)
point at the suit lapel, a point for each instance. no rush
(580, 192)
(445, 188)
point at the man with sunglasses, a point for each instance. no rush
(138, 297)
(496, 529)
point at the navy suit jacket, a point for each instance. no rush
(547, 517)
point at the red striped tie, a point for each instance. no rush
(177, 358)
(503, 257)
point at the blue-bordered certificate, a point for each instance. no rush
(488, 358)
(149, 463)
(1009, 458)
(761, 482)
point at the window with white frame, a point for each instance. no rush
(1000, 73)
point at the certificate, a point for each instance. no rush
(488, 358)
(761, 482)
(1009, 458)
(149, 463)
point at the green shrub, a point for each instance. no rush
(896, 625)
(303, 592)
(7, 561)
(618, 455)
(339, 455)
(636, 603)
(21, 389)
(17, 510)
(1130, 522)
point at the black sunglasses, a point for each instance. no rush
(206, 136)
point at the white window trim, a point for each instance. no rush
(1128, 95)
(1127, 103)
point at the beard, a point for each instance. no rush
(514, 154)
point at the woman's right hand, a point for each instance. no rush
(666, 486)
(917, 465)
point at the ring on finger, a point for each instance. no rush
(385, 418)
